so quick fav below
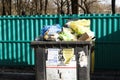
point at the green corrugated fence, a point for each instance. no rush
(16, 33)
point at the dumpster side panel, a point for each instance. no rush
(81, 53)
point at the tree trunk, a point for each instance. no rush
(68, 7)
(113, 6)
(36, 6)
(19, 7)
(10, 7)
(74, 6)
(46, 4)
(3, 8)
(8, 2)
(41, 6)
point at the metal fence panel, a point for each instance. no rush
(16, 33)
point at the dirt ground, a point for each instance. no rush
(17, 73)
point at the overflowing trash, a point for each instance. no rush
(78, 30)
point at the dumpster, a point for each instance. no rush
(62, 60)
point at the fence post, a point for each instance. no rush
(60, 20)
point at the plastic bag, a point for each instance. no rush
(51, 29)
(66, 35)
(79, 26)
(50, 32)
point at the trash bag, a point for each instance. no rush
(50, 32)
(66, 35)
(79, 26)
(51, 29)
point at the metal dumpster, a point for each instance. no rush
(66, 60)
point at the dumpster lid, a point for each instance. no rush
(57, 43)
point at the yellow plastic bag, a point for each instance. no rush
(80, 26)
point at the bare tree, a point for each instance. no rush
(18, 6)
(33, 7)
(60, 4)
(85, 5)
(36, 6)
(6, 7)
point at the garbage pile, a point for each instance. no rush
(78, 30)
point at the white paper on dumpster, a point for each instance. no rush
(57, 70)
(52, 56)
(83, 59)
